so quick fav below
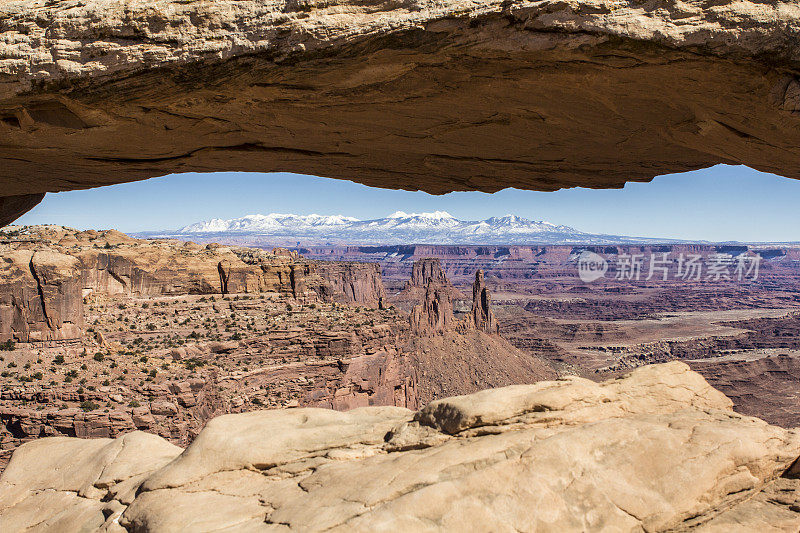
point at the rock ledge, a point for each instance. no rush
(655, 450)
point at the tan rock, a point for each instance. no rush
(453, 95)
(656, 450)
(43, 288)
(58, 483)
(163, 407)
(574, 400)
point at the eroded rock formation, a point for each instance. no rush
(40, 295)
(426, 270)
(446, 355)
(481, 317)
(417, 95)
(434, 314)
(46, 272)
(656, 450)
(352, 282)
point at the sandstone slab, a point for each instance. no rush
(656, 450)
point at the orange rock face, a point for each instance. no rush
(47, 272)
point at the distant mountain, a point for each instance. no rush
(438, 227)
(269, 223)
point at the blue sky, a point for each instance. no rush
(720, 203)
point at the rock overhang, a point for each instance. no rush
(413, 95)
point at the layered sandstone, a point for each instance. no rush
(425, 271)
(434, 314)
(657, 450)
(351, 282)
(179, 333)
(438, 96)
(47, 271)
(481, 317)
(40, 295)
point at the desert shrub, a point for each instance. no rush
(89, 405)
(8, 346)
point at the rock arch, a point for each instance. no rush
(414, 94)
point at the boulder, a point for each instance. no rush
(656, 450)
(164, 408)
(58, 483)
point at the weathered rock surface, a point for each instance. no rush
(434, 314)
(40, 295)
(416, 94)
(12, 207)
(656, 450)
(46, 272)
(67, 479)
(481, 317)
(424, 272)
(352, 282)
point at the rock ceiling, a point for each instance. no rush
(410, 94)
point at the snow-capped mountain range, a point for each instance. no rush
(438, 227)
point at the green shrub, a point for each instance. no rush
(89, 405)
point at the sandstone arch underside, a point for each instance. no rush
(420, 94)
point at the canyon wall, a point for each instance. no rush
(519, 264)
(40, 296)
(352, 282)
(48, 272)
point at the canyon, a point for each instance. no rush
(657, 450)
(113, 334)
(161, 385)
(283, 374)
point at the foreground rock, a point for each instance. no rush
(656, 450)
(438, 96)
